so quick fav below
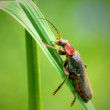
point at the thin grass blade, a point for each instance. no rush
(28, 14)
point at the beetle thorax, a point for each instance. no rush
(70, 50)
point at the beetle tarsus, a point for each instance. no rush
(60, 86)
(75, 95)
(49, 46)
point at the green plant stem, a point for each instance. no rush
(34, 102)
(33, 73)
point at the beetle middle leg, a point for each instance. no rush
(60, 86)
(67, 73)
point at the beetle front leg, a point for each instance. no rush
(49, 46)
(61, 52)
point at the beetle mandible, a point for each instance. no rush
(73, 67)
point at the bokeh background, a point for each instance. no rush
(86, 24)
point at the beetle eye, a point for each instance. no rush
(60, 42)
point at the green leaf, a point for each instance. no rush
(28, 14)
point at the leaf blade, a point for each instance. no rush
(28, 14)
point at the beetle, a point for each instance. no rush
(73, 67)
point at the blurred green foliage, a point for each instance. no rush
(86, 25)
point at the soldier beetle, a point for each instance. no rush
(73, 67)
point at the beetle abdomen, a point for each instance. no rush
(79, 90)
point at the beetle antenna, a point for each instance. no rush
(53, 26)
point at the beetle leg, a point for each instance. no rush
(64, 68)
(75, 95)
(67, 73)
(49, 46)
(60, 86)
(61, 52)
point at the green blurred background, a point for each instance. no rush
(86, 24)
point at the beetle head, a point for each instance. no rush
(61, 42)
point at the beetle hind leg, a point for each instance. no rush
(75, 95)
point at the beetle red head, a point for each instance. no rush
(61, 42)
